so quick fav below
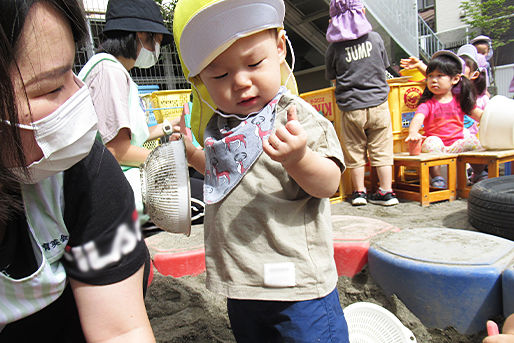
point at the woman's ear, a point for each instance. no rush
(282, 45)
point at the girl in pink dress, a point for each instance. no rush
(446, 99)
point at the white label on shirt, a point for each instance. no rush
(279, 274)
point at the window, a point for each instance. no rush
(425, 4)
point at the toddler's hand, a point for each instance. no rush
(410, 63)
(289, 143)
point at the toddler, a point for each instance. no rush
(446, 99)
(270, 162)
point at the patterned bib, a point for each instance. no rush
(231, 151)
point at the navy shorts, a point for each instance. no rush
(316, 320)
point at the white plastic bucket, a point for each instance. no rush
(496, 130)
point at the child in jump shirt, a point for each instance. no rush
(446, 99)
(356, 61)
(270, 162)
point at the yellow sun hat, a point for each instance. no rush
(203, 29)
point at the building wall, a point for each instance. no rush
(447, 18)
(448, 15)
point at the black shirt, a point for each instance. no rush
(105, 243)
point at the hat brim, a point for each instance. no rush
(482, 39)
(204, 36)
(470, 51)
(138, 25)
(453, 56)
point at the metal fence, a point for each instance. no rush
(503, 77)
(428, 41)
(167, 73)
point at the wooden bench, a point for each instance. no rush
(493, 159)
(420, 190)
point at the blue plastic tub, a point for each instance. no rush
(508, 290)
(446, 277)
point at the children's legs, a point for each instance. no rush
(316, 320)
(468, 143)
(435, 171)
(357, 175)
(385, 177)
(433, 144)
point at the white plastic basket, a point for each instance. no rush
(371, 323)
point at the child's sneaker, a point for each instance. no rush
(438, 182)
(383, 198)
(359, 198)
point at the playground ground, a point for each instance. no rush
(183, 310)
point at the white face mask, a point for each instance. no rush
(147, 58)
(65, 137)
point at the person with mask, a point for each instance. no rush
(134, 32)
(73, 265)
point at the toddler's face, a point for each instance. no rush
(246, 76)
(482, 48)
(439, 83)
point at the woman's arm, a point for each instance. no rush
(414, 127)
(113, 313)
(155, 131)
(195, 156)
(125, 153)
(161, 129)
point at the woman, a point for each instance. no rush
(134, 31)
(72, 261)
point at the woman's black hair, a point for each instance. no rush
(12, 18)
(121, 43)
(463, 90)
(480, 82)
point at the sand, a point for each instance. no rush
(183, 310)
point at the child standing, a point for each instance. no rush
(270, 163)
(446, 99)
(484, 46)
(356, 59)
(476, 73)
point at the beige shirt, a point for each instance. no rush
(268, 239)
(109, 86)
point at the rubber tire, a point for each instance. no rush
(491, 206)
